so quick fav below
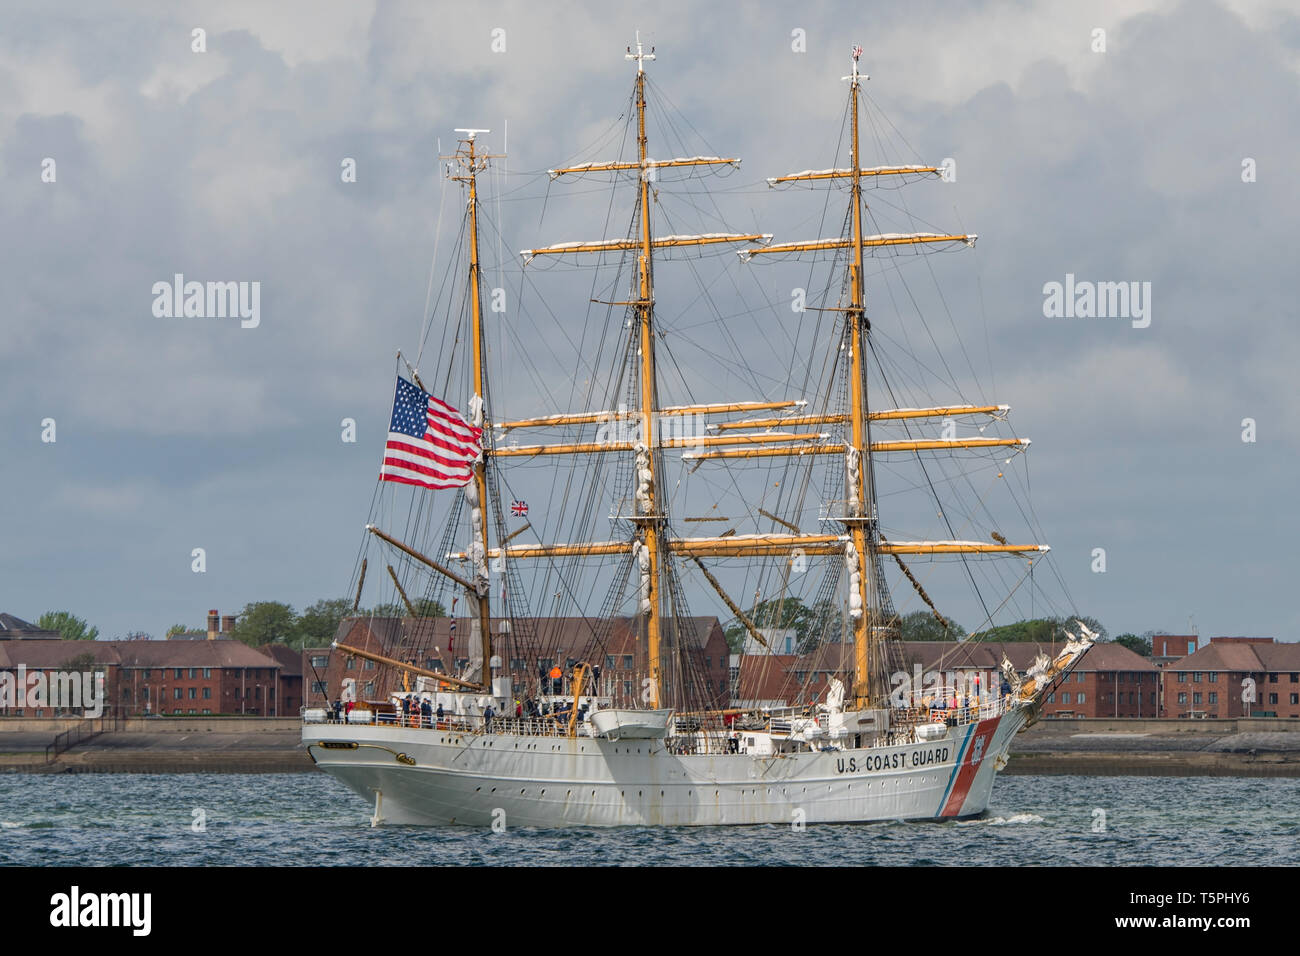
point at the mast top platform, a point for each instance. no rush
(856, 53)
(640, 56)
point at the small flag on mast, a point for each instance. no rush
(857, 51)
(519, 508)
(429, 443)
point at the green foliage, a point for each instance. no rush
(177, 629)
(1042, 630)
(71, 627)
(808, 623)
(266, 622)
(320, 622)
(1138, 645)
(923, 626)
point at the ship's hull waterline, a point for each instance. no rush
(448, 778)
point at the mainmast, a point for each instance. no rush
(471, 162)
(647, 515)
(858, 468)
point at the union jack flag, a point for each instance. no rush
(519, 508)
(857, 51)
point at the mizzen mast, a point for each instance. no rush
(470, 162)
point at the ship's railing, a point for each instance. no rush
(967, 711)
(545, 726)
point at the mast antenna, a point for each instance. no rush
(639, 55)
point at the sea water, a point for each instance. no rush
(311, 819)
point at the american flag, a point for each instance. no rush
(519, 508)
(429, 444)
(857, 51)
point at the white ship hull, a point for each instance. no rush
(450, 778)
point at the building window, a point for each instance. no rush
(194, 673)
(1079, 677)
(144, 693)
(800, 676)
(145, 674)
(1182, 677)
(126, 693)
(609, 662)
(1295, 699)
(516, 663)
(177, 695)
(1196, 677)
(1272, 698)
(1214, 697)
(1051, 698)
(628, 663)
(1065, 698)
(1214, 677)
(462, 663)
(1081, 697)
(708, 663)
(316, 661)
(370, 665)
(207, 673)
(236, 693)
(207, 693)
(180, 672)
(206, 711)
(1196, 698)
(627, 688)
(369, 689)
(1121, 679)
(1130, 698)
(1272, 678)
(318, 687)
(194, 693)
(1182, 697)
(1295, 678)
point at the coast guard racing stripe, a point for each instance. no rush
(974, 749)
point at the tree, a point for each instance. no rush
(176, 629)
(1137, 645)
(1043, 630)
(424, 607)
(69, 626)
(782, 614)
(320, 622)
(266, 622)
(923, 626)
(1038, 630)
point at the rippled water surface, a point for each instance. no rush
(309, 818)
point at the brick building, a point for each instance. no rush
(1110, 681)
(567, 641)
(1210, 681)
(214, 675)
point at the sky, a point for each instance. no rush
(1157, 151)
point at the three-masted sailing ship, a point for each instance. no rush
(509, 730)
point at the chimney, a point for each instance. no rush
(213, 618)
(227, 625)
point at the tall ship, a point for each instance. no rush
(542, 667)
